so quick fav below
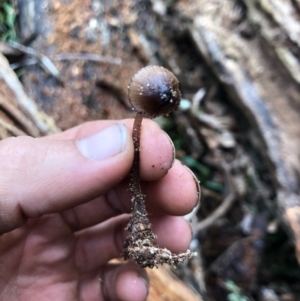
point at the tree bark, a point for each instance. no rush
(253, 49)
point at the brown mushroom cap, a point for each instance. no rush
(154, 91)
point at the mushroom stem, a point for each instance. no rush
(140, 245)
(138, 206)
(139, 227)
(135, 170)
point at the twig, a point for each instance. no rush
(210, 120)
(47, 64)
(88, 57)
(69, 57)
(19, 48)
(42, 121)
(197, 99)
(223, 208)
(44, 61)
(218, 213)
(18, 116)
(11, 128)
(24, 62)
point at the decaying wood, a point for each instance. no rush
(166, 287)
(260, 72)
(22, 114)
(79, 48)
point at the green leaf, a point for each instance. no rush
(233, 297)
(5, 36)
(214, 186)
(195, 165)
(231, 286)
(1, 19)
(236, 293)
(10, 15)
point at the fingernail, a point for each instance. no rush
(173, 149)
(198, 189)
(105, 143)
(145, 284)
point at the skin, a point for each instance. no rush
(63, 216)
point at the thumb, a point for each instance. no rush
(40, 176)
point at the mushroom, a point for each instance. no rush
(152, 91)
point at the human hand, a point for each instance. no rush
(64, 204)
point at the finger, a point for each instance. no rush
(97, 245)
(40, 176)
(178, 191)
(175, 194)
(157, 151)
(130, 283)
